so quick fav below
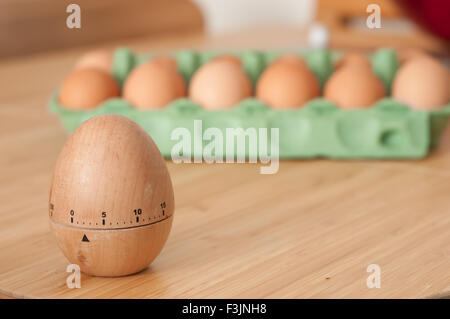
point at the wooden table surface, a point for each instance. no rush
(310, 230)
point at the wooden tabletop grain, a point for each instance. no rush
(311, 230)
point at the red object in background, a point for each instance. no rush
(432, 14)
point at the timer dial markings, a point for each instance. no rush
(138, 217)
(117, 225)
(114, 228)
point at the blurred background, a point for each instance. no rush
(29, 27)
(401, 227)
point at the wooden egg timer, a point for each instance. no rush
(111, 198)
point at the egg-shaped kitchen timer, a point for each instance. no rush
(111, 198)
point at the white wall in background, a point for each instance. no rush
(230, 15)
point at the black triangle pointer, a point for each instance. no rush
(85, 238)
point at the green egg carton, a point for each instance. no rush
(388, 130)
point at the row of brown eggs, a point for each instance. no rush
(421, 82)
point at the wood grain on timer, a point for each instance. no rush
(111, 198)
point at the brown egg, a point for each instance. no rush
(354, 59)
(422, 83)
(351, 87)
(86, 88)
(219, 84)
(153, 85)
(111, 200)
(101, 59)
(171, 64)
(287, 84)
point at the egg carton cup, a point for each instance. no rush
(387, 130)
